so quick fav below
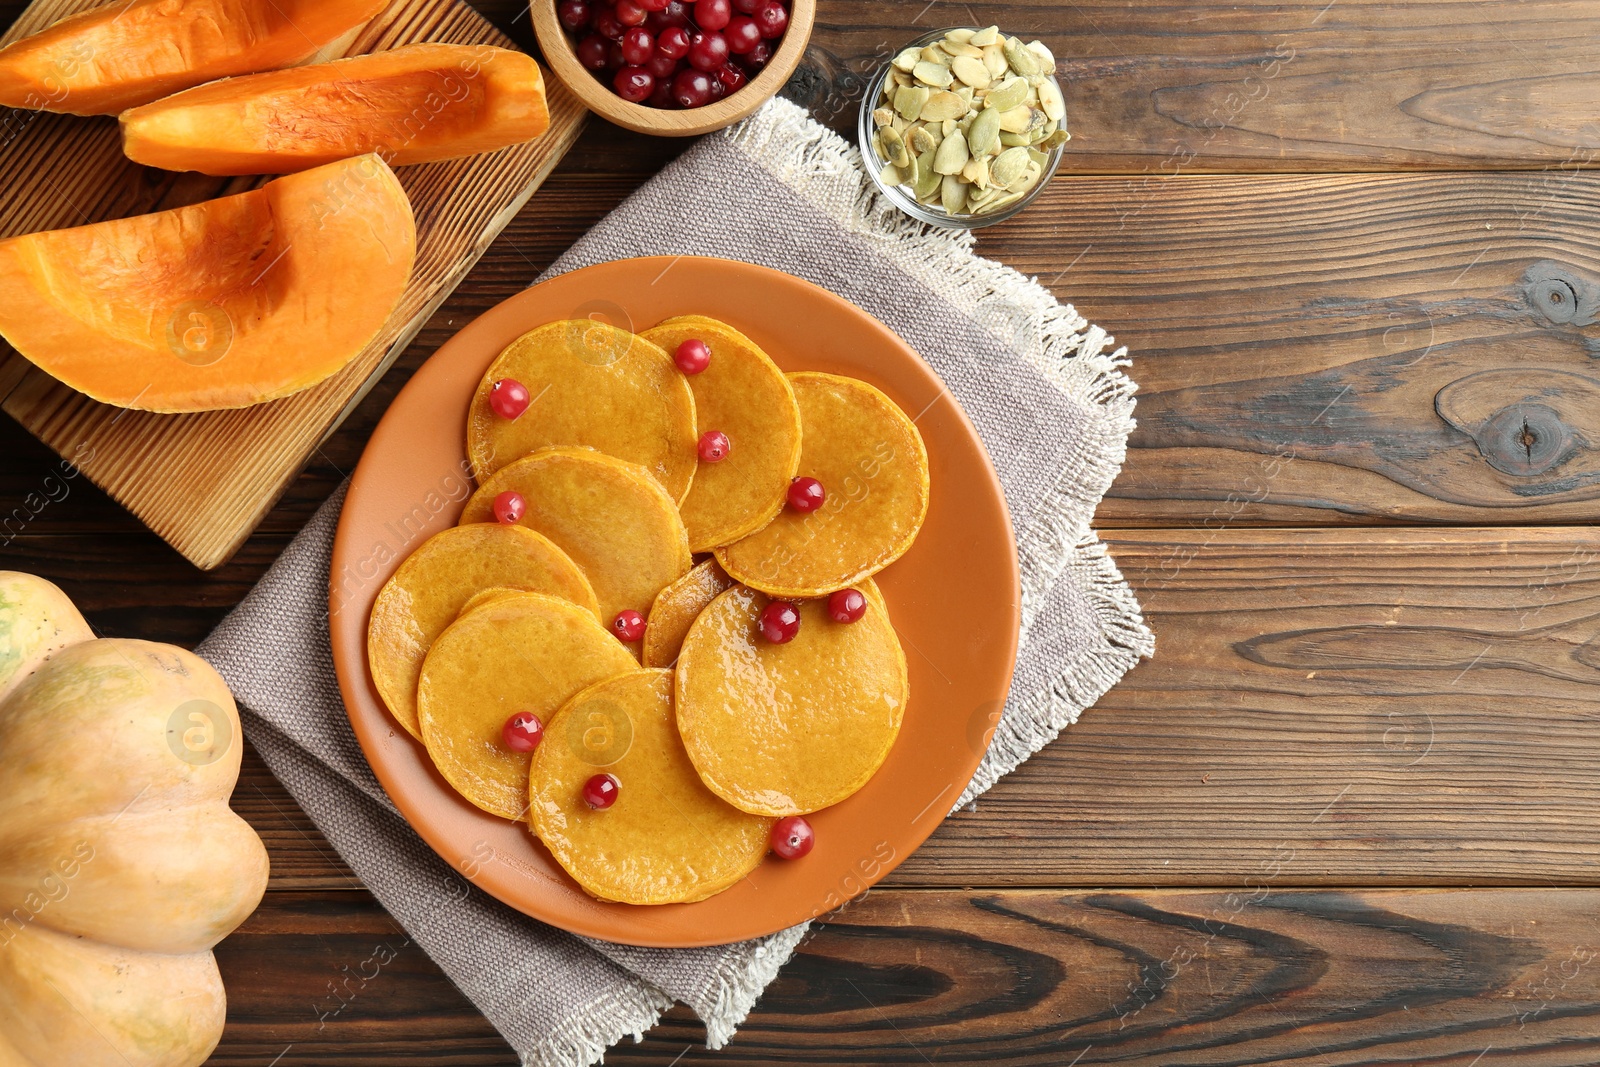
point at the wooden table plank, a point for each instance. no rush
(1394, 706)
(1264, 974)
(1342, 348)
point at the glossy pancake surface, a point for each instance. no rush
(526, 653)
(591, 385)
(789, 729)
(743, 394)
(615, 522)
(667, 838)
(676, 609)
(436, 583)
(873, 466)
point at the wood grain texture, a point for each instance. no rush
(1390, 706)
(1266, 86)
(203, 481)
(1265, 975)
(1341, 348)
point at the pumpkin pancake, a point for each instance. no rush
(667, 839)
(528, 652)
(676, 609)
(871, 462)
(593, 385)
(615, 521)
(788, 729)
(743, 394)
(437, 582)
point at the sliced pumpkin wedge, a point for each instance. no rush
(417, 104)
(130, 52)
(222, 304)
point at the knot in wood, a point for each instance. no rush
(1560, 294)
(1524, 439)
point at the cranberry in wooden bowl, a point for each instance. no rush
(675, 68)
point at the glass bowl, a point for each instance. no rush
(901, 196)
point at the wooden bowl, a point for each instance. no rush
(561, 57)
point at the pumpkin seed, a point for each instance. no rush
(1016, 120)
(882, 116)
(1038, 157)
(962, 51)
(936, 55)
(928, 181)
(960, 36)
(1007, 95)
(952, 194)
(984, 135)
(1046, 58)
(942, 105)
(1022, 61)
(921, 140)
(971, 71)
(898, 78)
(907, 59)
(877, 146)
(933, 74)
(1051, 100)
(999, 203)
(1030, 178)
(1015, 140)
(892, 175)
(894, 147)
(909, 102)
(985, 37)
(994, 58)
(1009, 165)
(1055, 140)
(952, 154)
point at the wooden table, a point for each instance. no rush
(1350, 813)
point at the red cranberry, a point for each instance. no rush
(780, 621)
(772, 19)
(733, 78)
(693, 356)
(676, 13)
(746, 7)
(628, 626)
(614, 59)
(634, 84)
(638, 46)
(509, 507)
(574, 14)
(600, 792)
(742, 34)
(757, 57)
(661, 68)
(662, 96)
(712, 14)
(806, 494)
(630, 12)
(709, 52)
(714, 446)
(792, 837)
(692, 88)
(674, 42)
(522, 732)
(509, 398)
(847, 605)
(607, 25)
(653, 5)
(592, 52)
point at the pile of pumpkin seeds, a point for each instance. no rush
(967, 122)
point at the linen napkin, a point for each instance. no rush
(1052, 406)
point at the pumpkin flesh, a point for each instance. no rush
(222, 304)
(416, 104)
(124, 54)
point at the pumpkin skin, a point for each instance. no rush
(124, 54)
(417, 104)
(221, 304)
(121, 864)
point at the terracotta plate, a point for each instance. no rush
(954, 598)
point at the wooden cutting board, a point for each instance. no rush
(203, 481)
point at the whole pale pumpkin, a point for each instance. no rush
(121, 864)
